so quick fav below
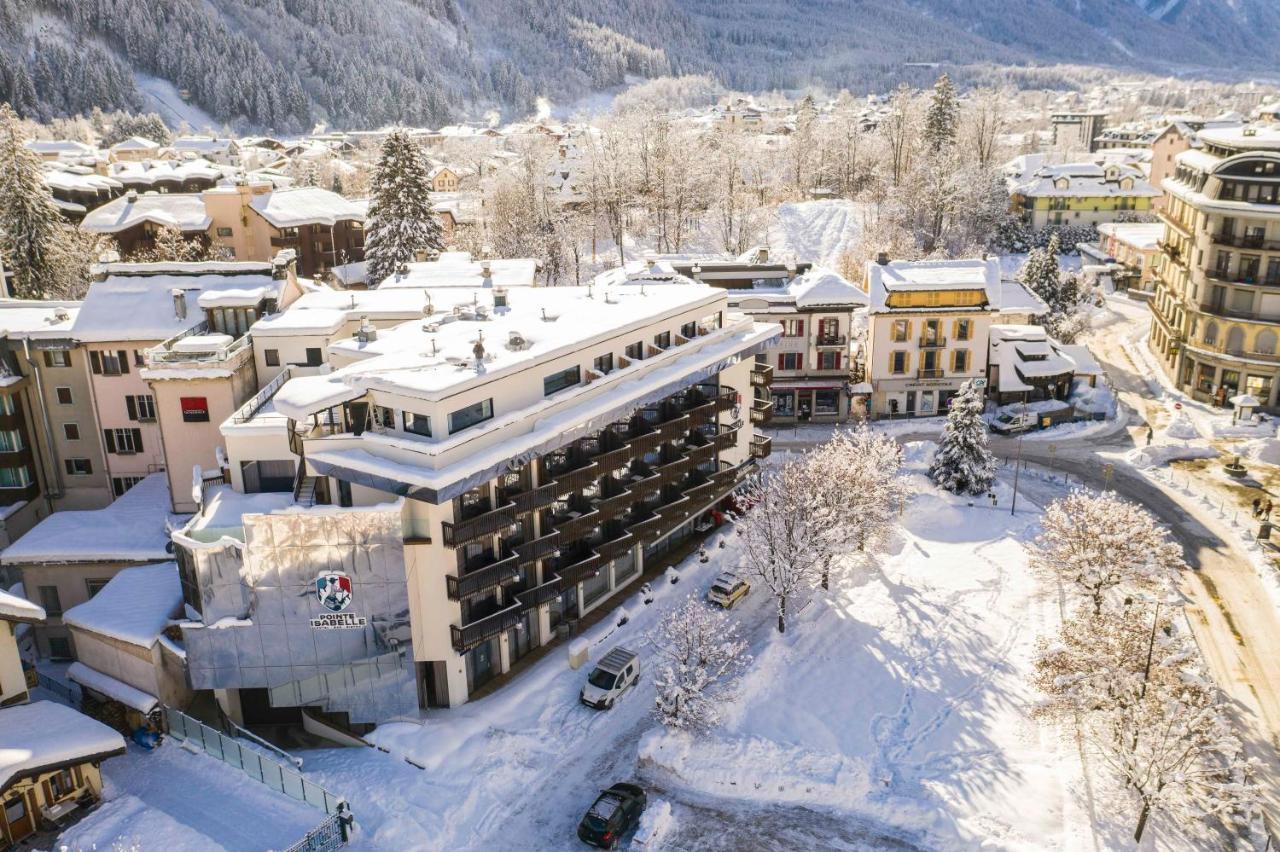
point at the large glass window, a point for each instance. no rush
(471, 415)
(557, 382)
(784, 403)
(10, 441)
(418, 424)
(14, 477)
(826, 402)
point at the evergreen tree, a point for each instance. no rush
(942, 121)
(963, 464)
(1042, 275)
(31, 227)
(400, 222)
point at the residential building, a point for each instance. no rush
(1216, 313)
(69, 556)
(51, 150)
(126, 663)
(1135, 245)
(928, 329)
(187, 175)
(1024, 364)
(55, 401)
(1078, 128)
(134, 149)
(49, 759)
(469, 483)
(16, 612)
(1086, 193)
(77, 189)
(134, 219)
(224, 151)
(443, 179)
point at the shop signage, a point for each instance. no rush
(339, 621)
(333, 590)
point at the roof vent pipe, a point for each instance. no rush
(179, 303)
(367, 333)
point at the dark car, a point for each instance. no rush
(614, 814)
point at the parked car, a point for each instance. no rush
(617, 671)
(615, 812)
(1010, 423)
(727, 590)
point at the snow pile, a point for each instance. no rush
(115, 689)
(1265, 450)
(1161, 454)
(1092, 400)
(1181, 428)
(755, 768)
(654, 825)
(817, 231)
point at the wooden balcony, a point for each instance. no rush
(483, 579)
(467, 637)
(538, 595)
(577, 479)
(575, 528)
(535, 498)
(456, 534)
(761, 446)
(571, 575)
(761, 375)
(761, 411)
(675, 428)
(540, 548)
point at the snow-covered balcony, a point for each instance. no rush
(202, 353)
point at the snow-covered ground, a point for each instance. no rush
(173, 799)
(816, 231)
(895, 715)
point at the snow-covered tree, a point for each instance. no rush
(170, 246)
(786, 533)
(400, 222)
(963, 464)
(1042, 275)
(1132, 682)
(31, 226)
(942, 119)
(1098, 543)
(698, 657)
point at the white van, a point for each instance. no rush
(617, 671)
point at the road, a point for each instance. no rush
(1231, 615)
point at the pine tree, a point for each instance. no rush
(31, 227)
(963, 464)
(942, 121)
(1042, 275)
(400, 222)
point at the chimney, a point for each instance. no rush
(486, 269)
(179, 303)
(367, 332)
(131, 196)
(883, 258)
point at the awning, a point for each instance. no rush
(794, 386)
(116, 690)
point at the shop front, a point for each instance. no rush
(804, 402)
(914, 397)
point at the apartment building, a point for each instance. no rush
(1216, 313)
(1078, 128)
(187, 311)
(1084, 193)
(469, 483)
(929, 326)
(1136, 246)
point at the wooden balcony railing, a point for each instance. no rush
(483, 579)
(467, 637)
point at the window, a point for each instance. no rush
(50, 600)
(557, 382)
(314, 357)
(141, 407)
(14, 477)
(689, 330)
(901, 330)
(964, 328)
(232, 321)
(62, 784)
(10, 440)
(224, 232)
(789, 361)
(71, 431)
(121, 484)
(57, 358)
(63, 395)
(898, 363)
(418, 424)
(471, 415)
(272, 357)
(384, 417)
(195, 409)
(635, 351)
(7, 405)
(59, 647)
(604, 364)
(107, 363)
(828, 360)
(793, 328)
(826, 402)
(264, 475)
(663, 340)
(960, 360)
(78, 467)
(93, 585)
(139, 358)
(123, 442)
(929, 361)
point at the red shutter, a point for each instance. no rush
(837, 367)
(799, 328)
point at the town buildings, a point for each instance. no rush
(16, 613)
(1216, 313)
(1084, 193)
(1134, 245)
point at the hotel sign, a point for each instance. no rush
(339, 621)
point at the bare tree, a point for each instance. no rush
(698, 658)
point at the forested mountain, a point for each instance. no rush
(284, 64)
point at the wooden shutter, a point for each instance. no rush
(110, 438)
(799, 328)
(124, 361)
(137, 440)
(95, 361)
(48, 358)
(837, 361)
(132, 405)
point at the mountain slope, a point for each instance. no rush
(284, 64)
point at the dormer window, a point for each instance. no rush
(1127, 183)
(1062, 183)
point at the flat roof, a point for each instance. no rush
(458, 269)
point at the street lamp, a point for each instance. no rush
(1017, 465)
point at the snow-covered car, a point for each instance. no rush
(617, 671)
(727, 590)
(615, 812)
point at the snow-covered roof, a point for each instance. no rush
(305, 205)
(821, 286)
(457, 269)
(45, 734)
(61, 147)
(134, 606)
(324, 311)
(135, 143)
(202, 144)
(149, 172)
(135, 303)
(130, 696)
(1252, 137)
(132, 529)
(1140, 235)
(224, 512)
(1094, 179)
(15, 608)
(22, 318)
(60, 176)
(185, 212)
(1015, 298)
(926, 275)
